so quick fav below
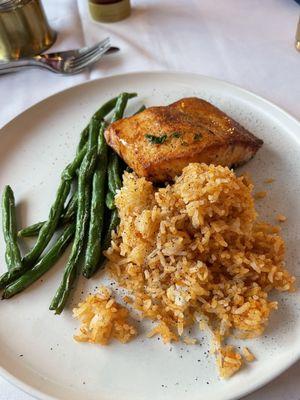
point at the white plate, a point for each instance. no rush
(37, 352)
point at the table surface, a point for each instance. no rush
(249, 43)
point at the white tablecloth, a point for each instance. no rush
(249, 43)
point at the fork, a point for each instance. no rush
(64, 62)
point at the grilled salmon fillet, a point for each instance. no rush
(159, 142)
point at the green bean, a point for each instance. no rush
(121, 104)
(12, 253)
(67, 216)
(113, 169)
(71, 208)
(70, 272)
(110, 200)
(113, 224)
(93, 250)
(70, 171)
(110, 177)
(114, 179)
(34, 229)
(108, 107)
(116, 170)
(8, 277)
(49, 227)
(100, 114)
(44, 237)
(44, 264)
(94, 128)
(142, 108)
(31, 230)
(83, 138)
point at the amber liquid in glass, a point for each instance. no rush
(24, 30)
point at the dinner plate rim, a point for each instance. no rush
(159, 72)
(36, 393)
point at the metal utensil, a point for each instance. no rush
(65, 62)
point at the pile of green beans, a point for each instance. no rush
(90, 182)
(93, 249)
(70, 272)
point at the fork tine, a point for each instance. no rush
(78, 61)
(92, 60)
(81, 58)
(88, 49)
(89, 62)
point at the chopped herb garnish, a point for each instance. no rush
(156, 139)
(176, 135)
(198, 136)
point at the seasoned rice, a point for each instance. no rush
(248, 355)
(102, 319)
(229, 361)
(195, 251)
